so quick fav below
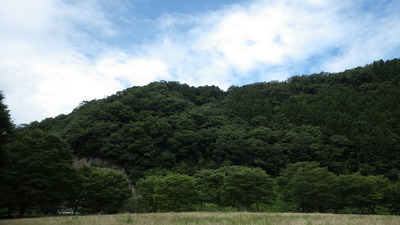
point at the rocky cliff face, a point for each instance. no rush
(97, 162)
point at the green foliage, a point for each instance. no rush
(235, 186)
(394, 198)
(6, 128)
(286, 182)
(173, 192)
(40, 176)
(313, 189)
(177, 192)
(363, 192)
(210, 185)
(347, 123)
(104, 190)
(245, 186)
(5, 121)
(40, 179)
(308, 187)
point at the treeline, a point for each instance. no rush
(346, 122)
(302, 187)
(38, 178)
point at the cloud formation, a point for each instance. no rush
(58, 53)
(269, 40)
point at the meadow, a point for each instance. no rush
(211, 219)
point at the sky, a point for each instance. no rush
(55, 54)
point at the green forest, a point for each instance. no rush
(327, 142)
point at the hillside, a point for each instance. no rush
(327, 142)
(346, 121)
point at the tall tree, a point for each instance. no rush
(173, 192)
(363, 192)
(313, 189)
(40, 176)
(236, 186)
(105, 190)
(286, 188)
(394, 198)
(210, 185)
(6, 128)
(244, 186)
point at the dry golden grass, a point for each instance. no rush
(211, 219)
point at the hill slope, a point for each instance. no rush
(347, 121)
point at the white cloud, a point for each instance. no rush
(369, 37)
(53, 53)
(235, 43)
(135, 71)
(271, 33)
(271, 40)
(44, 65)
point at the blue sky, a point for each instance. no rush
(58, 53)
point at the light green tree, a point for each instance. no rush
(236, 186)
(173, 192)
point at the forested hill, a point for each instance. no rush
(348, 122)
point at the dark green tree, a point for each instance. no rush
(6, 127)
(40, 177)
(210, 185)
(347, 122)
(306, 186)
(303, 143)
(313, 190)
(79, 190)
(244, 186)
(393, 198)
(148, 199)
(105, 190)
(364, 193)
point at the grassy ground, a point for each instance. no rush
(211, 219)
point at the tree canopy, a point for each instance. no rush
(6, 127)
(321, 137)
(39, 175)
(347, 121)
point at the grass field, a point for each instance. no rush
(211, 219)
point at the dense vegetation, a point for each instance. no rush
(323, 142)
